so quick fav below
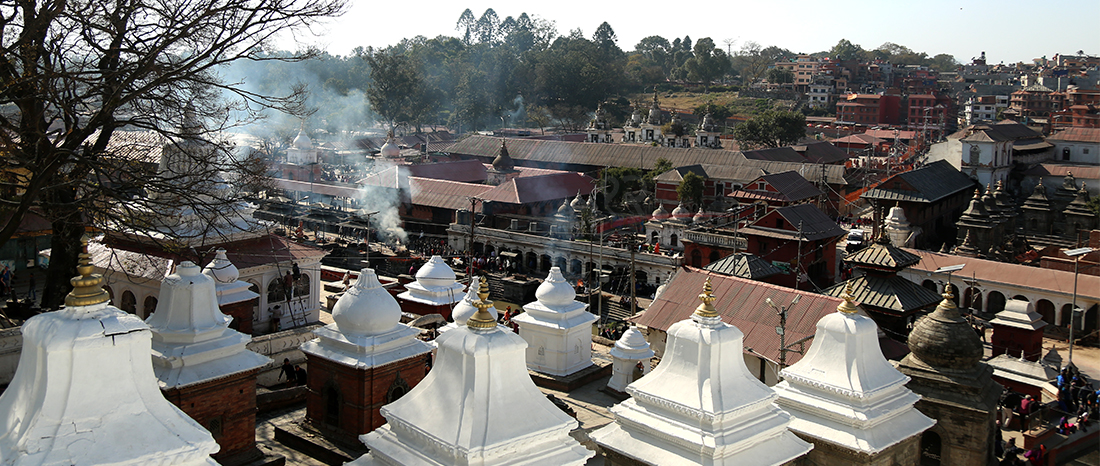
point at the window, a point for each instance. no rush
(762, 248)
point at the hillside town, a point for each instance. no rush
(704, 256)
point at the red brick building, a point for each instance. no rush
(796, 238)
(869, 109)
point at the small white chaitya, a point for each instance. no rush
(630, 356)
(229, 289)
(85, 393)
(901, 233)
(192, 341)
(846, 394)
(700, 405)
(367, 329)
(478, 405)
(465, 308)
(435, 285)
(557, 328)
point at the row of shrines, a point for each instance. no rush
(86, 390)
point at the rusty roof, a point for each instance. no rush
(741, 303)
(1080, 171)
(466, 171)
(1077, 135)
(445, 194)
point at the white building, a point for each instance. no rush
(1080, 145)
(983, 108)
(848, 399)
(557, 328)
(630, 357)
(85, 392)
(478, 405)
(984, 152)
(700, 405)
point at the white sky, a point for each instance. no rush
(1007, 30)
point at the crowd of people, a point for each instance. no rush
(1076, 406)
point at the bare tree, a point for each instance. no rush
(77, 73)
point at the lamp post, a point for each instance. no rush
(781, 330)
(368, 216)
(1076, 255)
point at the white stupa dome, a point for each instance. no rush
(389, 149)
(577, 202)
(699, 217)
(632, 339)
(301, 141)
(435, 273)
(366, 308)
(555, 291)
(465, 307)
(680, 213)
(221, 269)
(660, 213)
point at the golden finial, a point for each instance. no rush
(706, 309)
(482, 318)
(88, 287)
(848, 306)
(948, 297)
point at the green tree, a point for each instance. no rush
(780, 76)
(605, 37)
(752, 62)
(398, 91)
(773, 128)
(718, 112)
(661, 166)
(846, 50)
(690, 189)
(708, 63)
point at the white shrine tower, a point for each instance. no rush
(434, 291)
(85, 394)
(848, 400)
(301, 151)
(478, 405)
(630, 356)
(465, 309)
(700, 405)
(558, 329)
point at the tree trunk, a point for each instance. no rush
(68, 227)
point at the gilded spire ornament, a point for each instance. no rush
(848, 306)
(88, 287)
(482, 318)
(706, 308)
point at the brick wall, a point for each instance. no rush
(226, 407)
(360, 393)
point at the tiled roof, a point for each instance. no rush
(744, 265)
(990, 272)
(882, 256)
(741, 303)
(744, 171)
(142, 146)
(466, 171)
(527, 190)
(779, 154)
(893, 295)
(1080, 171)
(822, 152)
(792, 187)
(932, 182)
(815, 224)
(1006, 130)
(592, 154)
(1077, 135)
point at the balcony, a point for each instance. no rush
(716, 239)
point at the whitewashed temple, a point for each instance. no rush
(557, 328)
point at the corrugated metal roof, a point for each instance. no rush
(882, 256)
(743, 171)
(527, 190)
(466, 171)
(1081, 171)
(822, 152)
(445, 194)
(932, 182)
(778, 154)
(892, 295)
(741, 303)
(744, 265)
(1077, 135)
(815, 224)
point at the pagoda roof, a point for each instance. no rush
(882, 256)
(744, 265)
(892, 295)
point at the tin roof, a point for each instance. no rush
(445, 194)
(989, 272)
(592, 154)
(744, 171)
(791, 187)
(741, 303)
(526, 190)
(744, 265)
(1077, 135)
(892, 295)
(882, 256)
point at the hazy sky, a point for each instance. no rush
(1007, 30)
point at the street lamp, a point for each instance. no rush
(1076, 255)
(781, 330)
(368, 216)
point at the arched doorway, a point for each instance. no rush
(276, 292)
(560, 263)
(714, 256)
(653, 238)
(149, 307)
(1045, 308)
(931, 285)
(1021, 297)
(575, 266)
(532, 262)
(696, 258)
(996, 302)
(931, 447)
(673, 241)
(301, 287)
(129, 302)
(1089, 320)
(968, 297)
(544, 263)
